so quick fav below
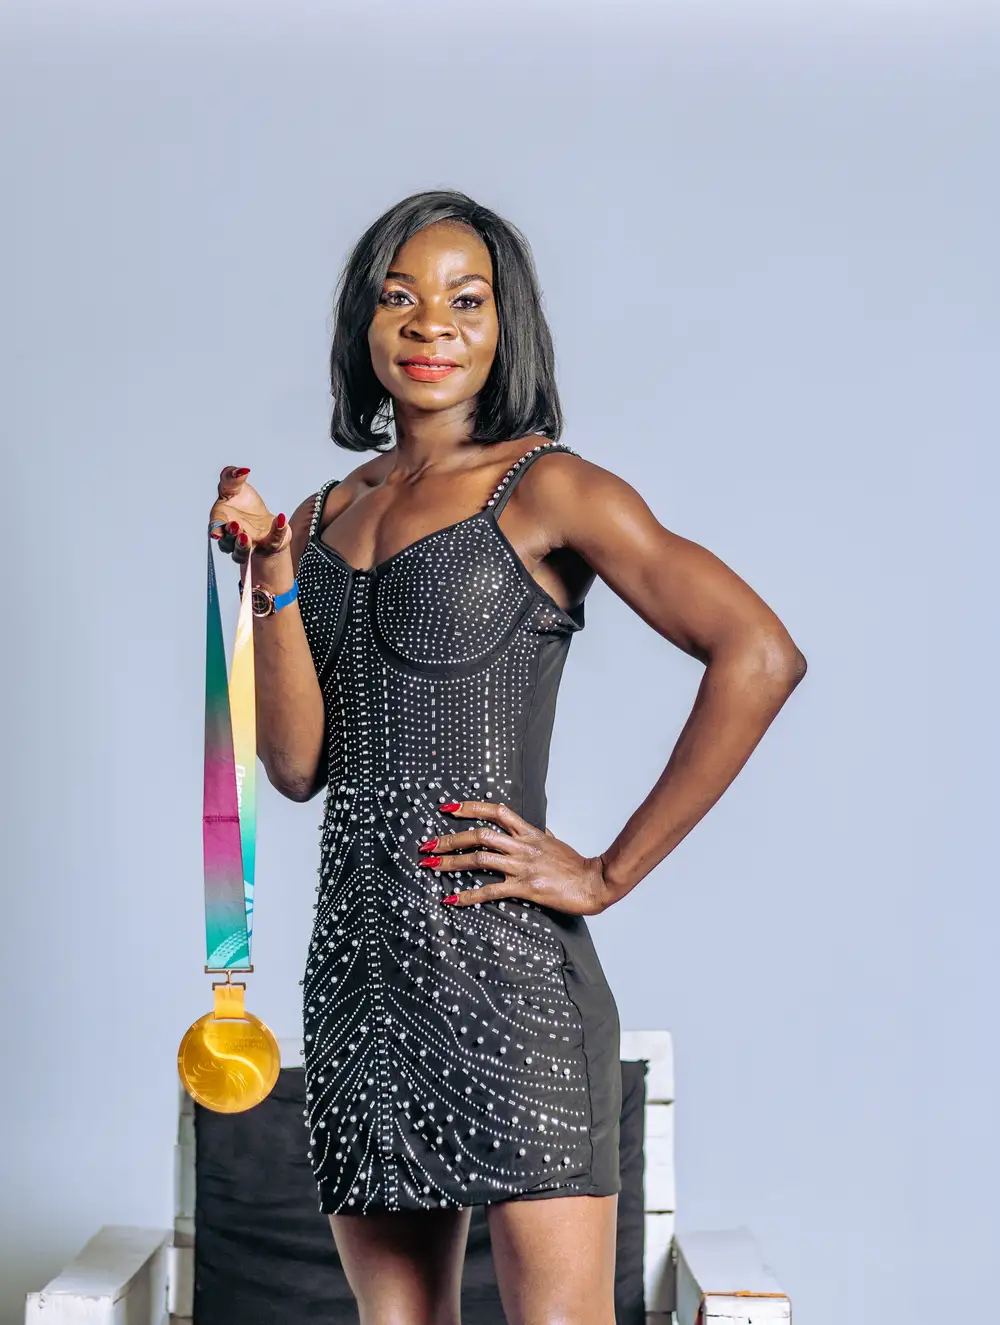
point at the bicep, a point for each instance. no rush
(680, 588)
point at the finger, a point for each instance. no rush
(241, 551)
(227, 536)
(218, 518)
(498, 814)
(277, 536)
(473, 860)
(489, 892)
(231, 480)
(480, 836)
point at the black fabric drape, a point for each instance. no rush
(264, 1255)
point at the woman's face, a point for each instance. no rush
(434, 334)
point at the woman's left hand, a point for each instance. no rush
(538, 866)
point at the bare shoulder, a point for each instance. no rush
(571, 491)
(575, 474)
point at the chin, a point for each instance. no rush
(428, 395)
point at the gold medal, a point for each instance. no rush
(229, 1060)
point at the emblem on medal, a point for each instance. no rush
(228, 1059)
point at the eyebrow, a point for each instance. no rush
(451, 285)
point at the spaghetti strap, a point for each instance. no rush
(320, 502)
(513, 475)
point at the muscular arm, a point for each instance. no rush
(694, 600)
(290, 713)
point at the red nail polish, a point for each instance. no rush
(428, 846)
(281, 521)
(450, 900)
(242, 540)
(432, 862)
(238, 473)
(449, 806)
(232, 527)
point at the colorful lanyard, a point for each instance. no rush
(230, 806)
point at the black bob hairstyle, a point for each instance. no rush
(519, 397)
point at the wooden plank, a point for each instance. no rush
(184, 1168)
(658, 1050)
(659, 1188)
(185, 1116)
(659, 1276)
(184, 1181)
(745, 1311)
(726, 1272)
(119, 1278)
(180, 1295)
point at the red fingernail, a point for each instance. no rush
(242, 540)
(450, 900)
(281, 522)
(432, 862)
(232, 527)
(215, 534)
(449, 806)
(428, 846)
(238, 473)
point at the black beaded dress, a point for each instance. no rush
(453, 1055)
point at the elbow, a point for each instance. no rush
(299, 791)
(774, 659)
(294, 785)
(784, 662)
(794, 665)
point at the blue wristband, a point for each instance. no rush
(278, 600)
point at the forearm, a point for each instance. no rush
(739, 696)
(290, 713)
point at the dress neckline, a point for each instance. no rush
(573, 620)
(485, 509)
(387, 561)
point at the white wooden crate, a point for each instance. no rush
(120, 1278)
(131, 1276)
(723, 1276)
(656, 1047)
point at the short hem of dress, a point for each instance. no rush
(547, 1194)
(595, 1190)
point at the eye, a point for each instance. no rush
(389, 298)
(467, 301)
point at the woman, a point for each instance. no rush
(461, 1041)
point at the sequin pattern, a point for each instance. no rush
(445, 1054)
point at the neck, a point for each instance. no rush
(426, 439)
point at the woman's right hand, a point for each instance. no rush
(248, 526)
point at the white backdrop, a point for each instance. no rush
(767, 243)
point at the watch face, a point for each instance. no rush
(262, 602)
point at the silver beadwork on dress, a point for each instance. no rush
(445, 1051)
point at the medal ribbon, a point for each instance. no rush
(230, 807)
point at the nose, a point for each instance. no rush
(430, 322)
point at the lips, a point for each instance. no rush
(424, 368)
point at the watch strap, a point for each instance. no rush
(289, 596)
(280, 600)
